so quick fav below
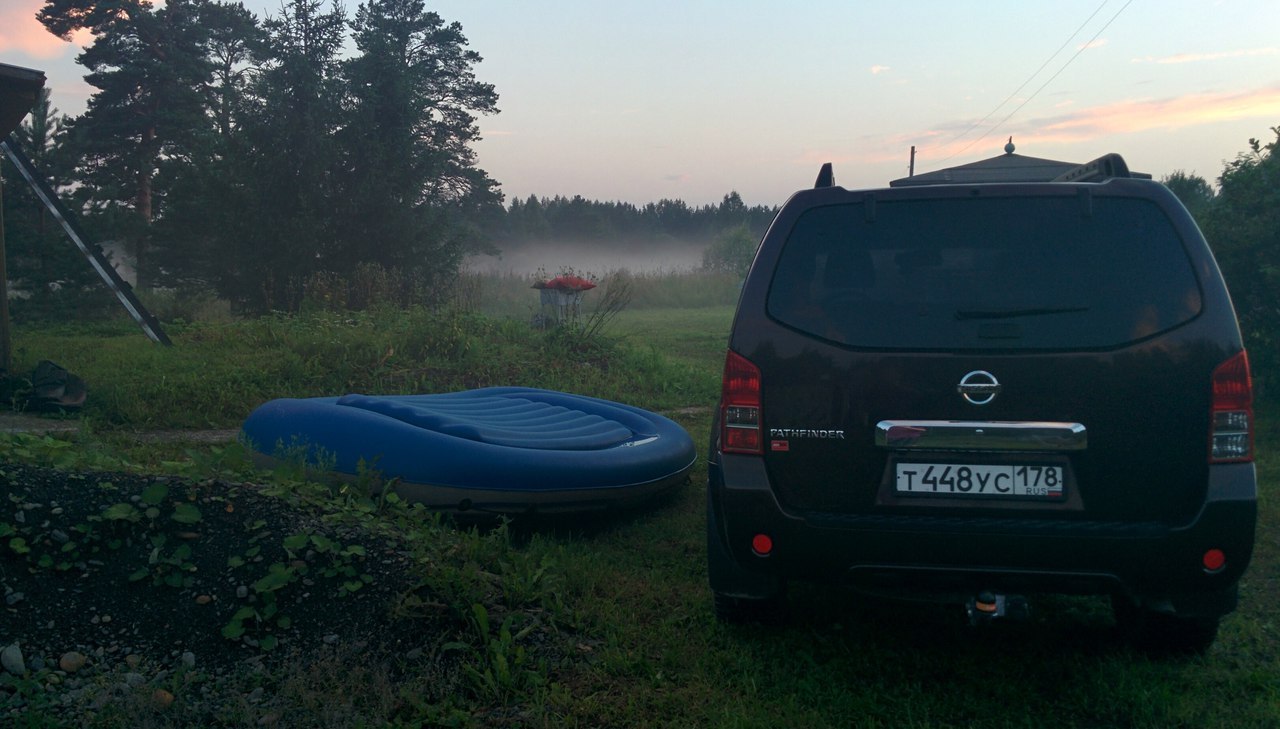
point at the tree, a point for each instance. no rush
(149, 68)
(209, 188)
(41, 261)
(285, 192)
(732, 251)
(409, 179)
(1195, 193)
(1243, 226)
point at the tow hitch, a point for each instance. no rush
(987, 606)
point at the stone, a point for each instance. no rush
(189, 659)
(203, 599)
(161, 698)
(72, 661)
(133, 660)
(133, 679)
(12, 661)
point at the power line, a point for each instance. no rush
(1046, 83)
(1008, 98)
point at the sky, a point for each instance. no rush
(640, 101)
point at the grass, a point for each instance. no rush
(637, 643)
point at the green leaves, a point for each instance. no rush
(185, 513)
(122, 512)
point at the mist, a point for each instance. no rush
(595, 257)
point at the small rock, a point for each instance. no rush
(242, 592)
(37, 664)
(20, 517)
(134, 680)
(331, 638)
(413, 655)
(269, 719)
(189, 659)
(106, 618)
(255, 695)
(72, 661)
(57, 511)
(188, 535)
(11, 660)
(59, 536)
(133, 660)
(161, 698)
(14, 598)
(203, 599)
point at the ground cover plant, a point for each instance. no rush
(551, 624)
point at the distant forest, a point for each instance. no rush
(253, 158)
(617, 224)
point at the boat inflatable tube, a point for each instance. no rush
(506, 450)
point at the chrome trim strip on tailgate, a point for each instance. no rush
(976, 435)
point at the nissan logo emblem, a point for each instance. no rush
(979, 387)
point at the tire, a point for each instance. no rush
(1161, 634)
(738, 610)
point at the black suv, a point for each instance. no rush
(1016, 376)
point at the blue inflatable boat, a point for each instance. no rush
(506, 450)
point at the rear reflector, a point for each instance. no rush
(762, 544)
(1214, 560)
(740, 406)
(1231, 428)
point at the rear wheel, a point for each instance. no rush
(1162, 634)
(767, 611)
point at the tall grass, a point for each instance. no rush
(217, 372)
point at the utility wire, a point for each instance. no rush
(1008, 98)
(1046, 83)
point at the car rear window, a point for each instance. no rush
(1006, 273)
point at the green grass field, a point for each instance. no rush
(636, 641)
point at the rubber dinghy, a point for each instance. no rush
(507, 450)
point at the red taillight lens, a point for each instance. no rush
(740, 406)
(1231, 430)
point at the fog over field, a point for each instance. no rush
(660, 256)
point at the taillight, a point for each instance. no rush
(1231, 433)
(740, 406)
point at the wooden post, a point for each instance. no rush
(5, 352)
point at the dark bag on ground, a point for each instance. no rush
(54, 389)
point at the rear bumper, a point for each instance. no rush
(1157, 565)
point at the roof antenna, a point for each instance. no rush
(826, 176)
(1008, 147)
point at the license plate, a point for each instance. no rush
(979, 480)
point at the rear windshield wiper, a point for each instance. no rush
(964, 314)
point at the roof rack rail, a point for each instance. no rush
(826, 177)
(1102, 168)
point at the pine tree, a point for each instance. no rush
(411, 194)
(149, 67)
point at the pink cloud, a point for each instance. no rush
(20, 32)
(1077, 125)
(1169, 113)
(1216, 56)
